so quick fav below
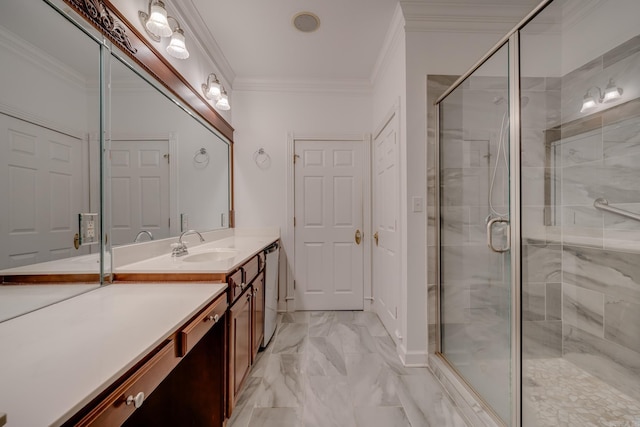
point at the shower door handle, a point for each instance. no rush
(490, 235)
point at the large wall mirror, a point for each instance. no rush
(86, 130)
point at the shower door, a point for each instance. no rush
(475, 274)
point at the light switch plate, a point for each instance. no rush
(88, 226)
(418, 204)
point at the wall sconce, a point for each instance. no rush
(611, 93)
(213, 90)
(156, 23)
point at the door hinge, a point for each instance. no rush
(295, 158)
(169, 222)
(294, 285)
(294, 221)
(167, 156)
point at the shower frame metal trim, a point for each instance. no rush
(515, 227)
(495, 48)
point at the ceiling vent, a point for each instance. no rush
(306, 22)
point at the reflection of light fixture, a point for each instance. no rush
(223, 100)
(156, 23)
(611, 93)
(588, 102)
(211, 89)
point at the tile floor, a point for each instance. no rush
(325, 369)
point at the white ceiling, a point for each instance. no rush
(255, 41)
(259, 41)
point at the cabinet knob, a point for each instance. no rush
(136, 401)
(213, 318)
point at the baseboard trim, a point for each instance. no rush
(413, 359)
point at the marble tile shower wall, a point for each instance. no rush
(600, 256)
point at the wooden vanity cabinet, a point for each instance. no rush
(240, 354)
(257, 318)
(181, 382)
(246, 324)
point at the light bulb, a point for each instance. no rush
(177, 47)
(223, 102)
(157, 22)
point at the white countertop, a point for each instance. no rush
(243, 247)
(16, 300)
(57, 359)
(83, 264)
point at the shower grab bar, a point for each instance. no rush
(603, 205)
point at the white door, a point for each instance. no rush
(139, 189)
(386, 205)
(328, 214)
(41, 192)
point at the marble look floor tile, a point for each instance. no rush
(244, 406)
(324, 357)
(291, 338)
(282, 384)
(294, 317)
(371, 321)
(327, 403)
(389, 416)
(335, 369)
(371, 382)
(275, 417)
(425, 403)
(321, 323)
(354, 338)
(260, 365)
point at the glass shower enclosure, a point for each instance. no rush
(538, 181)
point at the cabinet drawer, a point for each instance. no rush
(236, 285)
(114, 409)
(196, 329)
(251, 269)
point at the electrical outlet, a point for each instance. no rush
(88, 226)
(184, 222)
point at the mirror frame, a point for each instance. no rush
(100, 14)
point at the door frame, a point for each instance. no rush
(289, 237)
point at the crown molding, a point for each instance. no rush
(395, 33)
(354, 86)
(461, 17)
(207, 44)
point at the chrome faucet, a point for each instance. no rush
(180, 248)
(139, 235)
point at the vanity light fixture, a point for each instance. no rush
(223, 100)
(611, 93)
(156, 23)
(213, 90)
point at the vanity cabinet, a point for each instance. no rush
(239, 346)
(181, 382)
(246, 323)
(257, 312)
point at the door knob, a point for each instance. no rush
(375, 237)
(358, 237)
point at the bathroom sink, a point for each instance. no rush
(218, 254)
